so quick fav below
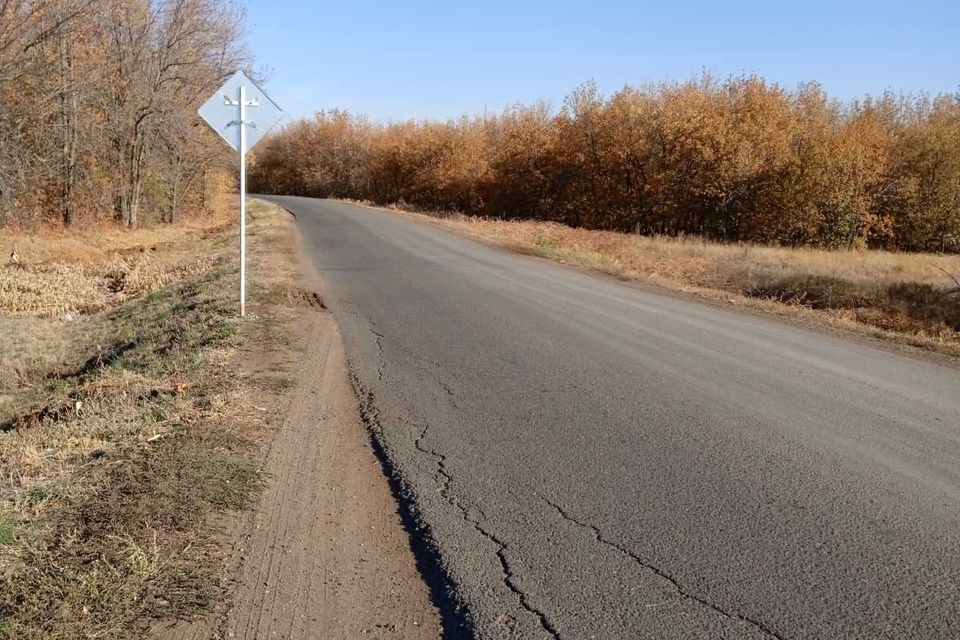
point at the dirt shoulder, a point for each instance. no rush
(327, 557)
(323, 554)
(171, 471)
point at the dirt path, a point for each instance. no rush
(328, 557)
(324, 555)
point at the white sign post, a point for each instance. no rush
(227, 111)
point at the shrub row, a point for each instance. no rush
(737, 160)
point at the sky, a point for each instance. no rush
(441, 60)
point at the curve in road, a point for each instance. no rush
(596, 460)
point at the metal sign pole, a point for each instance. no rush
(228, 108)
(242, 126)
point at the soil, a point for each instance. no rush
(324, 554)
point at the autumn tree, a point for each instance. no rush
(925, 177)
(98, 104)
(737, 160)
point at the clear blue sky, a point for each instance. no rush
(398, 60)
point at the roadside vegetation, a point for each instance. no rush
(127, 429)
(734, 161)
(98, 109)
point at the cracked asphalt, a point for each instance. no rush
(584, 458)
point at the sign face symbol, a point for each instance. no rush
(221, 112)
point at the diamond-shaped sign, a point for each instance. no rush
(222, 111)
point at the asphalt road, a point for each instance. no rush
(596, 460)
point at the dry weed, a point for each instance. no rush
(82, 279)
(123, 430)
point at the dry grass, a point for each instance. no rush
(55, 273)
(123, 431)
(905, 297)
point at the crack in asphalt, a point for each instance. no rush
(455, 616)
(379, 338)
(441, 584)
(759, 626)
(429, 553)
(349, 308)
(439, 459)
(446, 387)
(501, 553)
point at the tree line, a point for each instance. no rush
(98, 103)
(733, 160)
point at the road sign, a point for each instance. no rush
(242, 114)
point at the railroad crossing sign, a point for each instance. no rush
(242, 114)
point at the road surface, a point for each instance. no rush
(589, 459)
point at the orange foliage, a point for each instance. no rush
(98, 108)
(739, 160)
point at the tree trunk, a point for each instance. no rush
(133, 180)
(173, 213)
(69, 120)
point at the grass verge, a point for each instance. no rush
(126, 427)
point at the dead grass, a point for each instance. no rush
(51, 274)
(903, 297)
(124, 431)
